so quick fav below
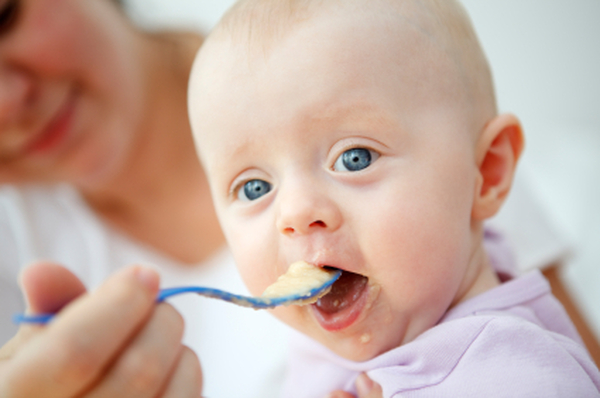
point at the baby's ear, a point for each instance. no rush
(498, 150)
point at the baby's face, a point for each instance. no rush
(343, 147)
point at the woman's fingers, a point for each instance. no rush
(340, 394)
(186, 380)
(14, 345)
(84, 338)
(113, 343)
(145, 366)
(365, 388)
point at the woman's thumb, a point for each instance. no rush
(49, 287)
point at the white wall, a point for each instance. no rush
(198, 14)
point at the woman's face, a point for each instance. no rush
(70, 90)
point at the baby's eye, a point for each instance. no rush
(253, 189)
(355, 159)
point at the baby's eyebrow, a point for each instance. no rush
(352, 115)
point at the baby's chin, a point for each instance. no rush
(348, 320)
(360, 345)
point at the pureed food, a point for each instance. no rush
(301, 279)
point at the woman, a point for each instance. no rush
(99, 171)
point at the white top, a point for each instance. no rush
(54, 223)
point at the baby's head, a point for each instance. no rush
(360, 135)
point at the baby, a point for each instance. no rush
(363, 135)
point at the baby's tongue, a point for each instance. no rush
(344, 292)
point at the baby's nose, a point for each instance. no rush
(301, 214)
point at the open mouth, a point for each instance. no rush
(340, 307)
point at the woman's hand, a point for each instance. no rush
(114, 342)
(365, 388)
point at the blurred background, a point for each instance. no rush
(545, 56)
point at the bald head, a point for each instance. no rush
(257, 26)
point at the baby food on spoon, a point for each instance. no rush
(301, 279)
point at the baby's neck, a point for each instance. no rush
(480, 278)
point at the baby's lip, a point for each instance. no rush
(341, 307)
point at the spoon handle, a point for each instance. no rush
(244, 301)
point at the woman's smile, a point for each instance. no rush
(56, 131)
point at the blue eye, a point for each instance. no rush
(253, 190)
(355, 159)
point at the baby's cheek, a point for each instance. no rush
(252, 274)
(252, 261)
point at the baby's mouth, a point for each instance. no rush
(340, 307)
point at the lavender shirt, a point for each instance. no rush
(512, 341)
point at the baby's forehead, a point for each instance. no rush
(338, 42)
(254, 28)
(427, 41)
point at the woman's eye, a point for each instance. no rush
(253, 189)
(355, 159)
(8, 14)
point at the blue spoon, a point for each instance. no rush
(297, 293)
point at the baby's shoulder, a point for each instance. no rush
(492, 355)
(506, 336)
(506, 355)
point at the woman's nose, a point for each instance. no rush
(15, 92)
(303, 212)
